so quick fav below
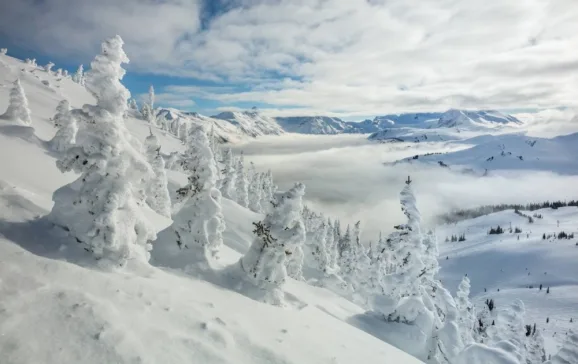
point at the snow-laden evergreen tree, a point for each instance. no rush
(3, 51)
(216, 152)
(535, 352)
(59, 72)
(65, 137)
(484, 319)
(78, 77)
(18, 110)
(184, 132)
(229, 176)
(509, 331)
(331, 246)
(132, 104)
(65, 73)
(348, 259)
(241, 183)
(152, 97)
(316, 256)
(62, 110)
(275, 237)
(466, 311)
(255, 191)
(48, 67)
(146, 111)
(569, 351)
(405, 281)
(157, 191)
(199, 223)
(295, 261)
(102, 208)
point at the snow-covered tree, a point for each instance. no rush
(348, 259)
(331, 246)
(152, 97)
(62, 109)
(3, 51)
(466, 311)
(535, 352)
(33, 62)
(48, 67)
(254, 192)
(199, 223)
(59, 72)
(65, 73)
(229, 176)
(18, 110)
(569, 352)
(146, 111)
(316, 256)
(101, 209)
(78, 77)
(275, 237)
(183, 132)
(65, 137)
(295, 262)
(157, 191)
(241, 184)
(132, 104)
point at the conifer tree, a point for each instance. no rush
(466, 311)
(241, 184)
(199, 223)
(275, 236)
(78, 77)
(48, 67)
(18, 110)
(101, 209)
(255, 190)
(157, 189)
(65, 137)
(229, 176)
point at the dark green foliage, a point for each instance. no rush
(497, 230)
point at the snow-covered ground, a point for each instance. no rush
(512, 262)
(55, 307)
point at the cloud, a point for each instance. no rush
(345, 178)
(352, 57)
(550, 122)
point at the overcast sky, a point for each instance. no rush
(350, 58)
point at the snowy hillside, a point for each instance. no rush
(509, 152)
(132, 236)
(56, 300)
(226, 131)
(251, 122)
(509, 266)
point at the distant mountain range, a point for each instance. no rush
(253, 124)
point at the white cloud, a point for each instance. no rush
(550, 122)
(345, 177)
(352, 57)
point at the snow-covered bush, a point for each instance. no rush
(65, 137)
(18, 110)
(102, 208)
(59, 72)
(275, 237)
(157, 191)
(3, 51)
(65, 73)
(132, 104)
(241, 184)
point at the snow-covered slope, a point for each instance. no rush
(313, 125)
(226, 131)
(511, 152)
(251, 123)
(57, 307)
(502, 267)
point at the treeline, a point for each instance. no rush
(464, 214)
